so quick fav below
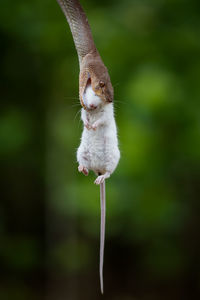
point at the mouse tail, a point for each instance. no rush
(102, 230)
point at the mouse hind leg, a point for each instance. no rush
(83, 160)
(83, 169)
(101, 178)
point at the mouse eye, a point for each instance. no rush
(101, 83)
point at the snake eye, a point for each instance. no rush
(101, 83)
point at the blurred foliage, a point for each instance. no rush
(49, 214)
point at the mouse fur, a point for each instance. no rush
(98, 150)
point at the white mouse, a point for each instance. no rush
(98, 150)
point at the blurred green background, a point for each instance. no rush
(49, 213)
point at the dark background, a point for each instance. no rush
(49, 213)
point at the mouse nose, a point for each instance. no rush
(92, 106)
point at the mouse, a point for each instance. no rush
(98, 150)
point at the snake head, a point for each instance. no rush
(100, 81)
(94, 72)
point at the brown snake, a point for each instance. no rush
(92, 68)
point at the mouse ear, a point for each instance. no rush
(84, 82)
(83, 79)
(89, 80)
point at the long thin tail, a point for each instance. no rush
(102, 233)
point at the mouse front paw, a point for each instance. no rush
(95, 125)
(87, 125)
